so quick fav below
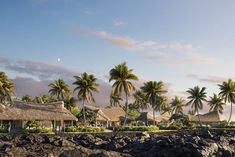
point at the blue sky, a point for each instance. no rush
(184, 43)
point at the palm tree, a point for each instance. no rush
(191, 112)
(153, 91)
(216, 103)
(227, 92)
(38, 100)
(70, 102)
(161, 104)
(115, 99)
(177, 105)
(122, 77)
(59, 89)
(196, 98)
(140, 100)
(27, 98)
(6, 88)
(85, 85)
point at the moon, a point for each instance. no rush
(58, 59)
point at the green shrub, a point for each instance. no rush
(38, 130)
(70, 129)
(84, 129)
(3, 130)
(139, 128)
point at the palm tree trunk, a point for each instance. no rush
(231, 111)
(126, 110)
(154, 104)
(84, 113)
(154, 119)
(199, 119)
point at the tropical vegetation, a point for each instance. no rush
(196, 98)
(122, 77)
(85, 84)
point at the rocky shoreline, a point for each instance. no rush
(182, 144)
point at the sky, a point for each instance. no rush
(184, 43)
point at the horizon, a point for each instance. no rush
(183, 43)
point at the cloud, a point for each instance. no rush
(124, 42)
(33, 78)
(119, 23)
(208, 79)
(37, 69)
(167, 53)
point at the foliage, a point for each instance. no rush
(85, 85)
(35, 127)
(196, 98)
(181, 119)
(134, 113)
(84, 129)
(137, 123)
(153, 91)
(140, 100)
(138, 128)
(177, 105)
(224, 124)
(216, 103)
(70, 102)
(3, 130)
(89, 114)
(6, 88)
(75, 111)
(27, 98)
(122, 76)
(115, 99)
(227, 92)
(60, 89)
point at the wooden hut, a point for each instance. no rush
(148, 119)
(211, 118)
(53, 115)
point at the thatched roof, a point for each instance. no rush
(210, 117)
(25, 111)
(163, 117)
(114, 113)
(144, 116)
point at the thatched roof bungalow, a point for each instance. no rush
(148, 119)
(108, 116)
(18, 113)
(212, 118)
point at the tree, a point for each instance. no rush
(122, 76)
(216, 103)
(38, 100)
(6, 88)
(177, 105)
(196, 98)
(139, 100)
(227, 92)
(153, 91)
(59, 89)
(115, 99)
(27, 98)
(70, 102)
(191, 112)
(85, 85)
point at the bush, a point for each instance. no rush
(39, 130)
(224, 124)
(3, 130)
(35, 127)
(138, 128)
(84, 129)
